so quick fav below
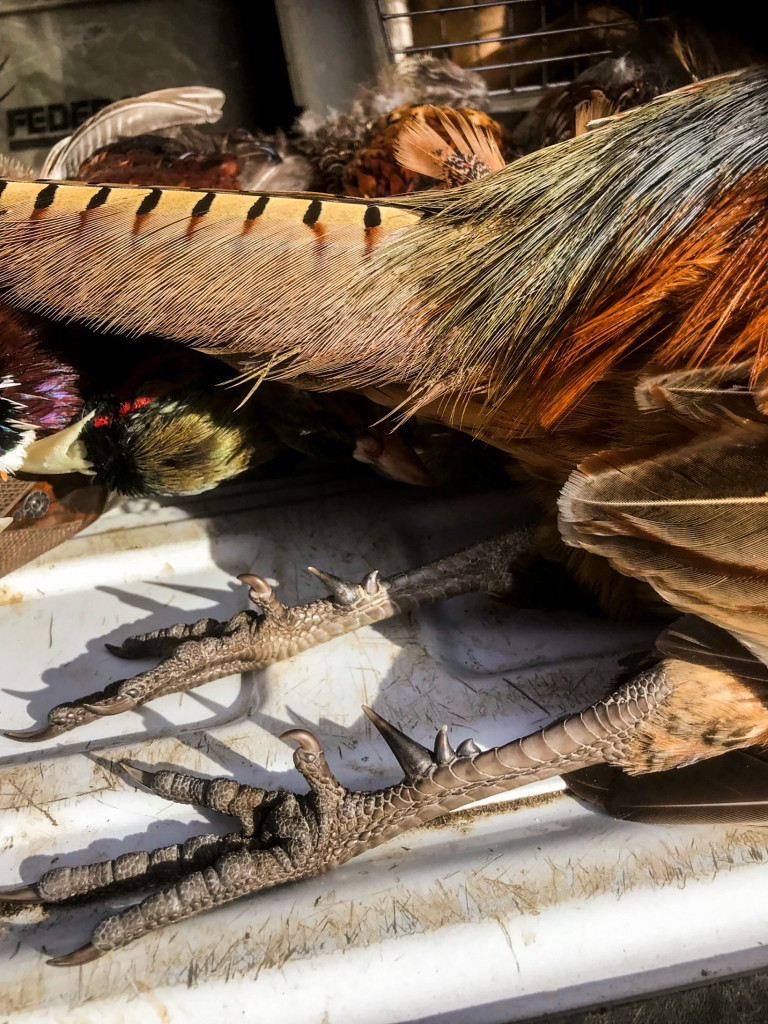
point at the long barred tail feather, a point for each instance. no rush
(265, 277)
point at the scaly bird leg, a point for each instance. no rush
(289, 836)
(210, 650)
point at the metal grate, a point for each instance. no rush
(519, 46)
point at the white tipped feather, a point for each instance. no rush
(192, 104)
(12, 460)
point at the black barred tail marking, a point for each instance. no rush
(312, 216)
(203, 205)
(312, 219)
(97, 199)
(372, 217)
(43, 200)
(200, 209)
(371, 223)
(146, 206)
(255, 212)
(45, 196)
(149, 202)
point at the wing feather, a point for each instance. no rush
(692, 521)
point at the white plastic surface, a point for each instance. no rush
(521, 908)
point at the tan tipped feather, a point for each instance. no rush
(471, 153)
(598, 106)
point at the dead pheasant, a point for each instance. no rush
(609, 87)
(597, 310)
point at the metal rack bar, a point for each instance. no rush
(547, 67)
(538, 34)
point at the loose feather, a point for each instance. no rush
(471, 153)
(146, 113)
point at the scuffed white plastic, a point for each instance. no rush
(529, 906)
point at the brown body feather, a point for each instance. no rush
(379, 170)
(454, 150)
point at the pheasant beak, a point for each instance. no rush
(393, 457)
(62, 452)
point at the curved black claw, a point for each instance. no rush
(83, 955)
(116, 706)
(31, 735)
(305, 739)
(258, 584)
(119, 651)
(20, 894)
(144, 778)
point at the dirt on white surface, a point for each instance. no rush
(528, 907)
